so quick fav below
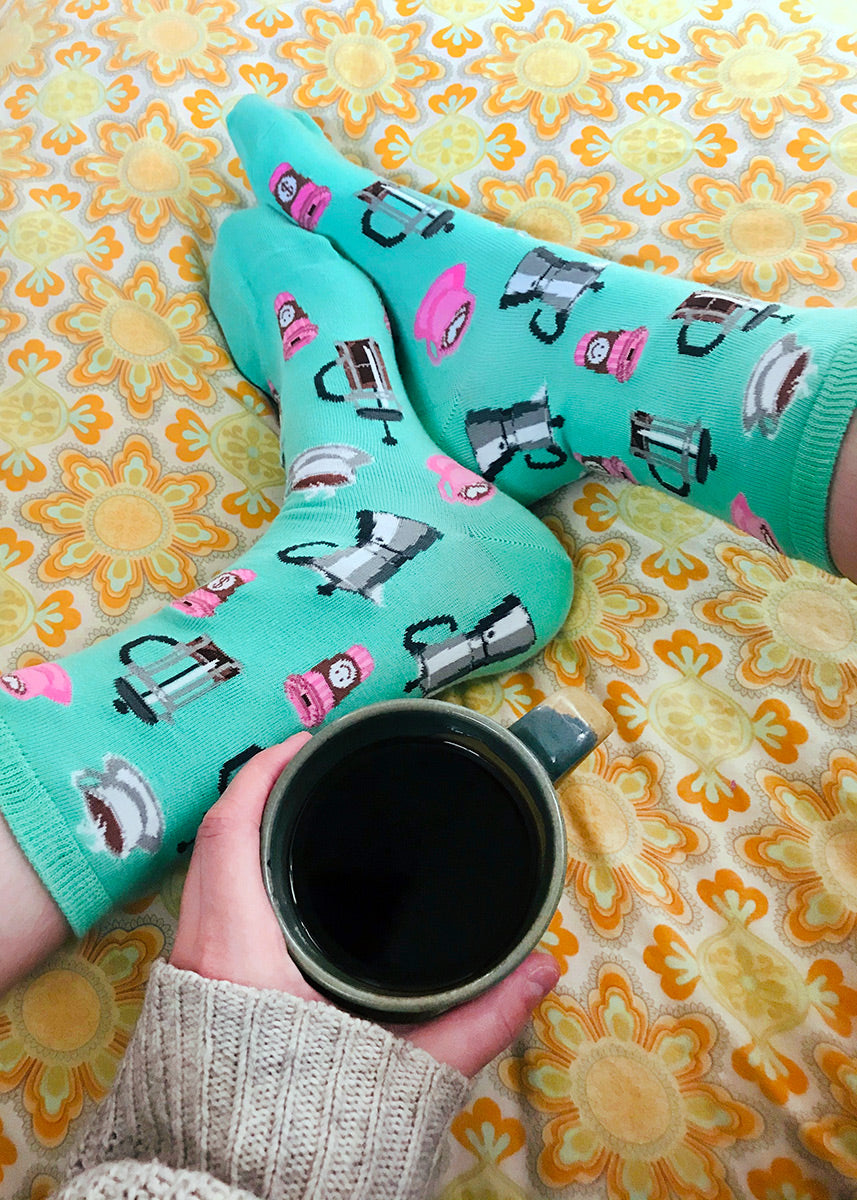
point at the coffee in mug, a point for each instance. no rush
(414, 851)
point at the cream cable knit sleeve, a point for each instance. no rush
(269, 1095)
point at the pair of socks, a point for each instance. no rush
(435, 374)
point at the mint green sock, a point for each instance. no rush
(390, 571)
(530, 362)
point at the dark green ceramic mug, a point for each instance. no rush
(414, 851)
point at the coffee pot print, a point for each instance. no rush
(296, 328)
(42, 679)
(317, 691)
(122, 808)
(671, 446)
(504, 631)
(613, 352)
(154, 691)
(496, 435)
(385, 542)
(402, 212)
(722, 311)
(445, 313)
(557, 283)
(370, 390)
(298, 197)
(332, 465)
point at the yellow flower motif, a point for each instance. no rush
(757, 985)
(122, 523)
(458, 38)
(814, 849)
(759, 72)
(704, 723)
(554, 71)
(25, 31)
(360, 63)
(795, 623)
(39, 237)
(10, 322)
(64, 1030)
(784, 1180)
(762, 233)
(622, 844)
(649, 258)
(812, 149)
(552, 209)
(68, 97)
(33, 414)
(269, 19)
(514, 694)
(834, 1137)
(154, 172)
(246, 446)
(52, 619)
(451, 145)
(8, 1153)
(175, 38)
(627, 1097)
(490, 1137)
(653, 146)
(16, 163)
(134, 334)
(653, 16)
(603, 615)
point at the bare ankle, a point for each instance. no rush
(31, 924)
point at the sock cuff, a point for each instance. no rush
(816, 456)
(46, 840)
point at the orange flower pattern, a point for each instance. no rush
(604, 614)
(761, 73)
(814, 848)
(627, 1096)
(623, 844)
(554, 71)
(705, 723)
(123, 522)
(774, 1005)
(705, 138)
(794, 623)
(133, 334)
(361, 63)
(553, 209)
(763, 234)
(154, 172)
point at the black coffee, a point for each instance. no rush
(415, 865)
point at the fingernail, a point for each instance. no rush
(543, 975)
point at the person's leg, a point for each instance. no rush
(31, 922)
(390, 570)
(842, 515)
(529, 362)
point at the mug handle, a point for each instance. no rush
(563, 730)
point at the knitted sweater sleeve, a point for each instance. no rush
(265, 1094)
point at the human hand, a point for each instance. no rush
(228, 930)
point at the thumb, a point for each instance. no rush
(469, 1037)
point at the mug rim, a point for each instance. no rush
(376, 1004)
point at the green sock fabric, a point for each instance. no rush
(531, 362)
(390, 571)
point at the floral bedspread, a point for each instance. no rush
(701, 1042)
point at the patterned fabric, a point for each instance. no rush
(701, 1041)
